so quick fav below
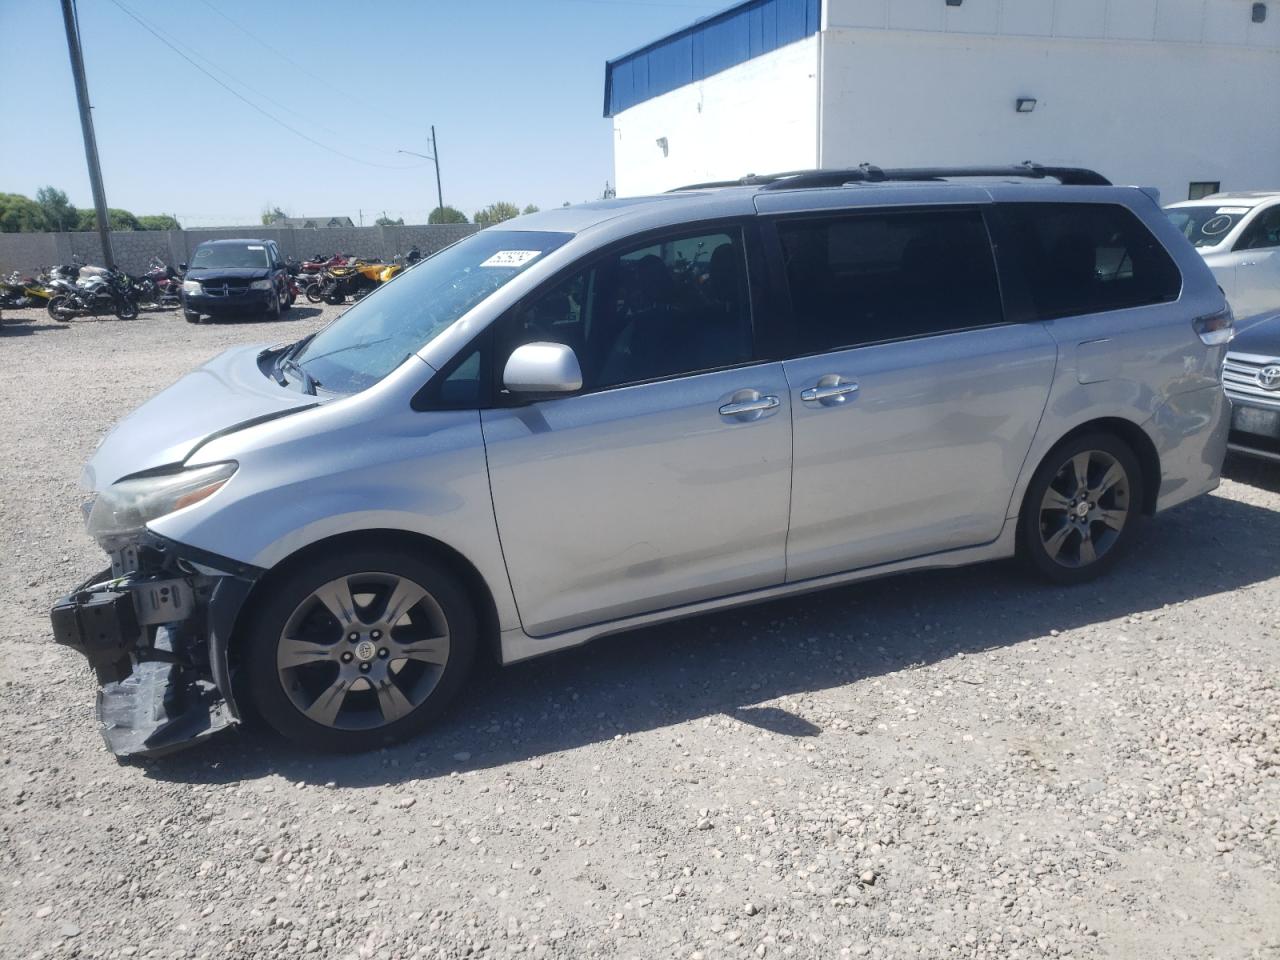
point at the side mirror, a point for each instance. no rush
(182, 267)
(542, 368)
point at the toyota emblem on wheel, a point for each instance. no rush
(1269, 377)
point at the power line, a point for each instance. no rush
(239, 96)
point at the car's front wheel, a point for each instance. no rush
(360, 650)
(1081, 508)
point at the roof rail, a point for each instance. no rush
(867, 173)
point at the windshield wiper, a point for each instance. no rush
(309, 383)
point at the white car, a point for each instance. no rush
(1238, 234)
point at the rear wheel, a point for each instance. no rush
(312, 293)
(1081, 508)
(359, 650)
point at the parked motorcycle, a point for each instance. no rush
(166, 281)
(20, 292)
(94, 295)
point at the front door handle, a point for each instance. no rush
(751, 408)
(831, 389)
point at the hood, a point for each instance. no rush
(228, 393)
(1259, 334)
(228, 273)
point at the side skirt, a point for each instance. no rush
(518, 645)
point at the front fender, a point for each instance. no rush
(421, 473)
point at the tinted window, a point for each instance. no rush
(871, 277)
(667, 308)
(1263, 232)
(1079, 258)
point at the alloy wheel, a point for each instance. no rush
(1084, 509)
(363, 651)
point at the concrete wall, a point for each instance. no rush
(1155, 93)
(29, 252)
(758, 117)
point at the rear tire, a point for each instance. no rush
(312, 293)
(317, 686)
(1081, 508)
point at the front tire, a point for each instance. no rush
(191, 316)
(312, 293)
(126, 310)
(59, 310)
(1081, 508)
(359, 650)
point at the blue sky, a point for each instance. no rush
(514, 88)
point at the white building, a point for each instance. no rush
(1183, 95)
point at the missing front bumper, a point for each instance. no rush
(157, 639)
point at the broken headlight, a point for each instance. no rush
(126, 507)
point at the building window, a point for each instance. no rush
(1202, 188)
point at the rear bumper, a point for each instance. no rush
(1190, 434)
(158, 641)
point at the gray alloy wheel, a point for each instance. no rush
(1084, 509)
(363, 651)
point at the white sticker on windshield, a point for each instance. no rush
(511, 258)
(1232, 211)
(256, 247)
(1216, 226)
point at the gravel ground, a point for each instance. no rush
(960, 764)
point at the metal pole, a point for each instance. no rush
(435, 153)
(86, 127)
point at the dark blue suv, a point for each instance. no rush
(236, 276)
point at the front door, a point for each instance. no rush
(1256, 258)
(913, 403)
(665, 481)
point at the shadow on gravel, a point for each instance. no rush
(1253, 471)
(728, 662)
(21, 328)
(296, 312)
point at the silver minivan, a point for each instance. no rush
(585, 420)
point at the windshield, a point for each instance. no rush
(1206, 226)
(227, 255)
(380, 332)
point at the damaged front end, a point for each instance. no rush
(155, 627)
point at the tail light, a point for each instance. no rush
(1216, 328)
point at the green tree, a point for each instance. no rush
(447, 215)
(385, 221)
(496, 213)
(531, 208)
(19, 214)
(59, 212)
(271, 214)
(117, 218)
(158, 221)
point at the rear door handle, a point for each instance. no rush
(749, 408)
(830, 390)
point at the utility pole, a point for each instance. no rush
(435, 159)
(435, 155)
(86, 127)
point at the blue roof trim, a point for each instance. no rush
(707, 47)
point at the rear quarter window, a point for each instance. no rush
(1082, 258)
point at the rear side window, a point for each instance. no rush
(865, 278)
(1080, 258)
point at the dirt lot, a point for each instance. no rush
(959, 764)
